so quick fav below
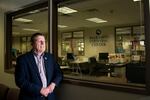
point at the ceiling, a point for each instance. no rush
(116, 12)
(8, 5)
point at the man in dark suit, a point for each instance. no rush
(37, 73)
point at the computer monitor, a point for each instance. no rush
(103, 56)
(70, 56)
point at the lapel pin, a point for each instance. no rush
(45, 58)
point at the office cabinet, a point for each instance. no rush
(135, 72)
(131, 41)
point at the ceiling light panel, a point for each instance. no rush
(30, 29)
(96, 20)
(66, 10)
(23, 20)
(62, 26)
(34, 11)
(136, 0)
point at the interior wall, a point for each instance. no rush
(5, 78)
(94, 43)
(100, 43)
(16, 43)
(73, 92)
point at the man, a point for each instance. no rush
(37, 73)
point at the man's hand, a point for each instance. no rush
(44, 92)
(51, 87)
(47, 90)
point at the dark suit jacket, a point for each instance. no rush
(27, 76)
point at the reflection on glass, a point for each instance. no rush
(23, 26)
(121, 39)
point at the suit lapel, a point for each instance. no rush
(46, 64)
(34, 65)
(47, 69)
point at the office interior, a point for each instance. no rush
(104, 49)
(111, 51)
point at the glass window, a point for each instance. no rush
(23, 26)
(113, 41)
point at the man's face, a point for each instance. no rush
(39, 44)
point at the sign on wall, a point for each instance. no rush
(98, 40)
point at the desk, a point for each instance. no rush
(76, 66)
(116, 64)
(115, 69)
(119, 69)
(64, 67)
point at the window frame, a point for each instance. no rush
(53, 48)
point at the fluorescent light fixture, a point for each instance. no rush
(23, 20)
(66, 10)
(136, 0)
(34, 11)
(62, 26)
(30, 29)
(96, 20)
